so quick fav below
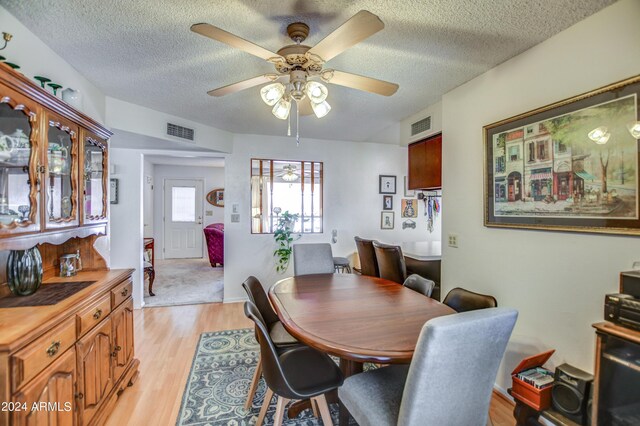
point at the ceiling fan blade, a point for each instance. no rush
(245, 84)
(359, 82)
(233, 40)
(305, 107)
(361, 26)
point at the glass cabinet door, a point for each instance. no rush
(18, 157)
(59, 184)
(94, 181)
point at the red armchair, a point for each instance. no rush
(214, 234)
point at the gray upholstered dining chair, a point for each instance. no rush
(420, 284)
(462, 300)
(390, 262)
(279, 336)
(449, 381)
(367, 255)
(312, 259)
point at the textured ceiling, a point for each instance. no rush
(142, 51)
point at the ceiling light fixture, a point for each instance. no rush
(321, 109)
(289, 175)
(600, 135)
(282, 108)
(272, 93)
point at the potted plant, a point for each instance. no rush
(282, 235)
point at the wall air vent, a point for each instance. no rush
(421, 126)
(179, 131)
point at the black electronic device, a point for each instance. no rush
(630, 283)
(570, 394)
(622, 309)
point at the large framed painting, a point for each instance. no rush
(569, 166)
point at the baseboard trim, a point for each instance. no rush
(500, 393)
(234, 299)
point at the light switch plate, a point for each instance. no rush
(235, 218)
(453, 240)
(235, 208)
(208, 213)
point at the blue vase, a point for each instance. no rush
(24, 271)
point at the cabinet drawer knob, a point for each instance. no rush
(54, 348)
(124, 292)
(79, 395)
(97, 314)
(114, 354)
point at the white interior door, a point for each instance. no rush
(182, 218)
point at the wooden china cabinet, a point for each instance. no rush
(66, 351)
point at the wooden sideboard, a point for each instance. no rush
(77, 356)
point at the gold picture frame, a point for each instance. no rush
(569, 166)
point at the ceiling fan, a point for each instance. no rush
(299, 67)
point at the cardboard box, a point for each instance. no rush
(539, 399)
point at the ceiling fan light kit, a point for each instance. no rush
(302, 64)
(282, 108)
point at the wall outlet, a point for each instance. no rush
(235, 218)
(453, 240)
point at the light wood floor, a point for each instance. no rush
(165, 342)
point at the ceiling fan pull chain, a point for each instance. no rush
(297, 126)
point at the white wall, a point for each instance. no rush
(126, 217)
(36, 58)
(146, 121)
(213, 178)
(352, 204)
(556, 280)
(148, 191)
(434, 111)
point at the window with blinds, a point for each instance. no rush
(278, 186)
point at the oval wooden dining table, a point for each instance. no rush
(357, 318)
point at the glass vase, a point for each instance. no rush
(24, 271)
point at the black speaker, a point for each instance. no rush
(570, 394)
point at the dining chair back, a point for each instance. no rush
(449, 381)
(390, 262)
(420, 284)
(297, 373)
(312, 259)
(259, 298)
(367, 255)
(462, 300)
(473, 344)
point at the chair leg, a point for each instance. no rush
(279, 415)
(254, 385)
(265, 406)
(314, 408)
(321, 400)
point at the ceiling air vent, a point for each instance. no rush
(421, 126)
(179, 131)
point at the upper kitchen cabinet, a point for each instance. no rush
(53, 167)
(425, 164)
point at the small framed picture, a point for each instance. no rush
(113, 191)
(387, 202)
(386, 220)
(387, 184)
(409, 207)
(409, 193)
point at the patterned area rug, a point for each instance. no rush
(219, 381)
(185, 282)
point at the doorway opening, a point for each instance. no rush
(177, 225)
